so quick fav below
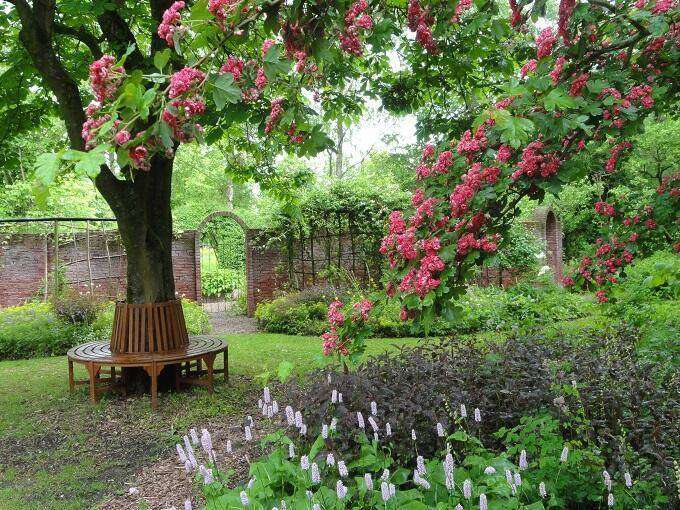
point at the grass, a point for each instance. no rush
(61, 453)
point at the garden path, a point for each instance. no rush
(229, 320)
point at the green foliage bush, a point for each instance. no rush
(221, 281)
(605, 397)
(649, 298)
(34, 330)
(521, 307)
(300, 312)
(38, 329)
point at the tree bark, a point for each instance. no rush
(145, 226)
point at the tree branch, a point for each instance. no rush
(119, 35)
(82, 35)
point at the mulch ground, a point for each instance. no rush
(165, 483)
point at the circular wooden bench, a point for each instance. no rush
(98, 360)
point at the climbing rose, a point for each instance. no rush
(268, 43)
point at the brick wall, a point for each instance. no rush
(26, 258)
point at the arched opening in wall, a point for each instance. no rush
(552, 243)
(222, 248)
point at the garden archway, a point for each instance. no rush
(221, 260)
(548, 227)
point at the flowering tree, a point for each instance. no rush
(266, 62)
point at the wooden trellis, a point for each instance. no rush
(68, 255)
(335, 241)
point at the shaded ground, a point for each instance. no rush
(61, 453)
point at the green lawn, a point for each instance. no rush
(62, 453)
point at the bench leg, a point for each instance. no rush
(226, 364)
(93, 371)
(209, 362)
(71, 380)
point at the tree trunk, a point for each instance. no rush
(145, 226)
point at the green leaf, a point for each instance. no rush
(161, 58)
(557, 99)
(224, 91)
(285, 370)
(46, 168)
(273, 65)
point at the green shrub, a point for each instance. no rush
(34, 330)
(522, 307)
(220, 281)
(649, 299)
(76, 308)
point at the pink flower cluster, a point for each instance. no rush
(363, 307)
(663, 6)
(529, 67)
(335, 316)
(422, 280)
(503, 154)
(557, 70)
(605, 209)
(461, 7)
(468, 242)
(470, 145)
(355, 20)
(91, 125)
(184, 81)
(564, 15)
(170, 22)
(544, 43)
(420, 21)
(536, 164)
(233, 66)
(577, 85)
(515, 14)
(614, 154)
(105, 78)
(275, 114)
(472, 182)
(222, 9)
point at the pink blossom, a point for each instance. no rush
(234, 66)
(564, 15)
(222, 9)
(184, 80)
(529, 67)
(504, 154)
(578, 84)
(335, 316)
(557, 70)
(268, 43)
(275, 113)
(364, 306)
(122, 137)
(170, 21)
(104, 78)
(545, 42)
(260, 79)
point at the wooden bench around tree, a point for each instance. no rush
(187, 364)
